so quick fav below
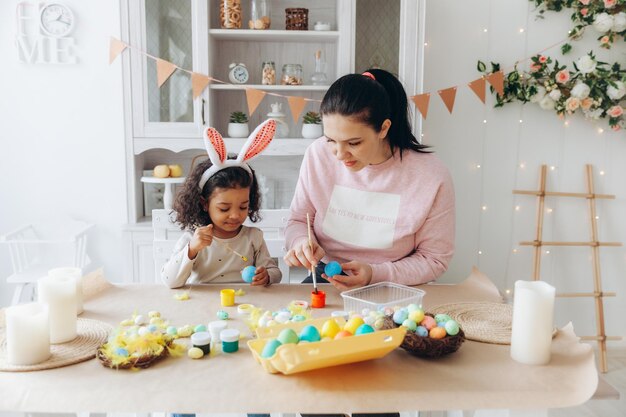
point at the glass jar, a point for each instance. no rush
(268, 73)
(259, 14)
(230, 14)
(297, 18)
(292, 74)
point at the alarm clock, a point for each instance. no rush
(238, 73)
(56, 19)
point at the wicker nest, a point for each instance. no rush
(427, 347)
(141, 362)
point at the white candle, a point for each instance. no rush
(533, 317)
(77, 274)
(59, 293)
(28, 334)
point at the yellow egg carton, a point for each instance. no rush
(293, 358)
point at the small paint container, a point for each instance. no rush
(343, 314)
(227, 297)
(202, 340)
(318, 299)
(299, 304)
(244, 309)
(215, 328)
(230, 340)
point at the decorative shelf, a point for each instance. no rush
(278, 147)
(242, 87)
(274, 35)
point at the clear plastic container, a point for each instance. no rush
(380, 296)
(292, 74)
(260, 15)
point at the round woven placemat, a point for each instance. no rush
(482, 322)
(91, 334)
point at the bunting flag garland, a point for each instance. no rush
(164, 70)
(296, 105)
(478, 87)
(254, 98)
(496, 79)
(116, 47)
(199, 83)
(421, 102)
(448, 95)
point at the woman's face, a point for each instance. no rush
(228, 208)
(354, 143)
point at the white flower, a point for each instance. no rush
(619, 22)
(539, 95)
(547, 103)
(603, 22)
(580, 90)
(616, 93)
(586, 64)
(594, 114)
(555, 94)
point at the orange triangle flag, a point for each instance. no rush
(496, 79)
(164, 70)
(199, 83)
(116, 47)
(254, 98)
(478, 87)
(421, 102)
(448, 95)
(296, 104)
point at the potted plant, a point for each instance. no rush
(312, 125)
(238, 125)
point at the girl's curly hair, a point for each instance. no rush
(191, 204)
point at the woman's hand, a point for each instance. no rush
(261, 277)
(303, 255)
(359, 275)
(202, 237)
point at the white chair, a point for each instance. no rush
(167, 232)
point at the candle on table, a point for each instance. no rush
(28, 334)
(77, 274)
(533, 316)
(59, 292)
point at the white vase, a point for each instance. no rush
(238, 130)
(311, 131)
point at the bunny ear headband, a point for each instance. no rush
(256, 143)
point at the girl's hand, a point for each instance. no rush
(302, 255)
(359, 275)
(202, 237)
(261, 277)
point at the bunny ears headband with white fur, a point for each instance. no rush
(256, 143)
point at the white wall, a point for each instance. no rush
(456, 40)
(62, 138)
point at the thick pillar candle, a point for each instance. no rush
(59, 293)
(77, 274)
(28, 334)
(533, 317)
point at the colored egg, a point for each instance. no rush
(442, 318)
(248, 273)
(283, 317)
(298, 317)
(379, 323)
(421, 331)
(172, 331)
(342, 334)
(140, 319)
(195, 353)
(417, 315)
(412, 307)
(437, 333)
(287, 336)
(429, 322)
(409, 324)
(388, 311)
(330, 328)
(452, 327)
(222, 315)
(365, 312)
(332, 268)
(310, 334)
(369, 320)
(185, 331)
(199, 328)
(364, 329)
(441, 324)
(399, 316)
(270, 348)
(154, 314)
(142, 331)
(152, 328)
(121, 352)
(156, 320)
(353, 324)
(127, 322)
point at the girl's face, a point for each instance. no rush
(228, 208)
(354, 143)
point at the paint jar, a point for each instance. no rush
(245, 310)
(318, 299)
(202, 340)
(227, 297)
(230, 340)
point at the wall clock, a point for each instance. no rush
(56, 19)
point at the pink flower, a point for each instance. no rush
(609, 3)
(535, 67)
(615, 111)
(584, 11)
(562, 76)
(586, 103)
(543, 59)
(585, 2)
(604, 40)
(615, 128)
(571, 104)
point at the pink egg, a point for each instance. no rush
(429, 322)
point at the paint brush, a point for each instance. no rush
(308, 224)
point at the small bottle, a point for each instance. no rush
(202, 340)
(259, 15)
(268, 73)
(230, 340)
(292, 74)
(319, 76)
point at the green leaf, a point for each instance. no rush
(565, 48)
(481, 67)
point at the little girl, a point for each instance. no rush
(214, 202)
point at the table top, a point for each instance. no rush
(478, 376)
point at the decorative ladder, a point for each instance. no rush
(597, 293)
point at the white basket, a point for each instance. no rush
(381, 295)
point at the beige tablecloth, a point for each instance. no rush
(478, 376)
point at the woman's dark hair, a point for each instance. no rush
(371, 102)
(191, 204)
